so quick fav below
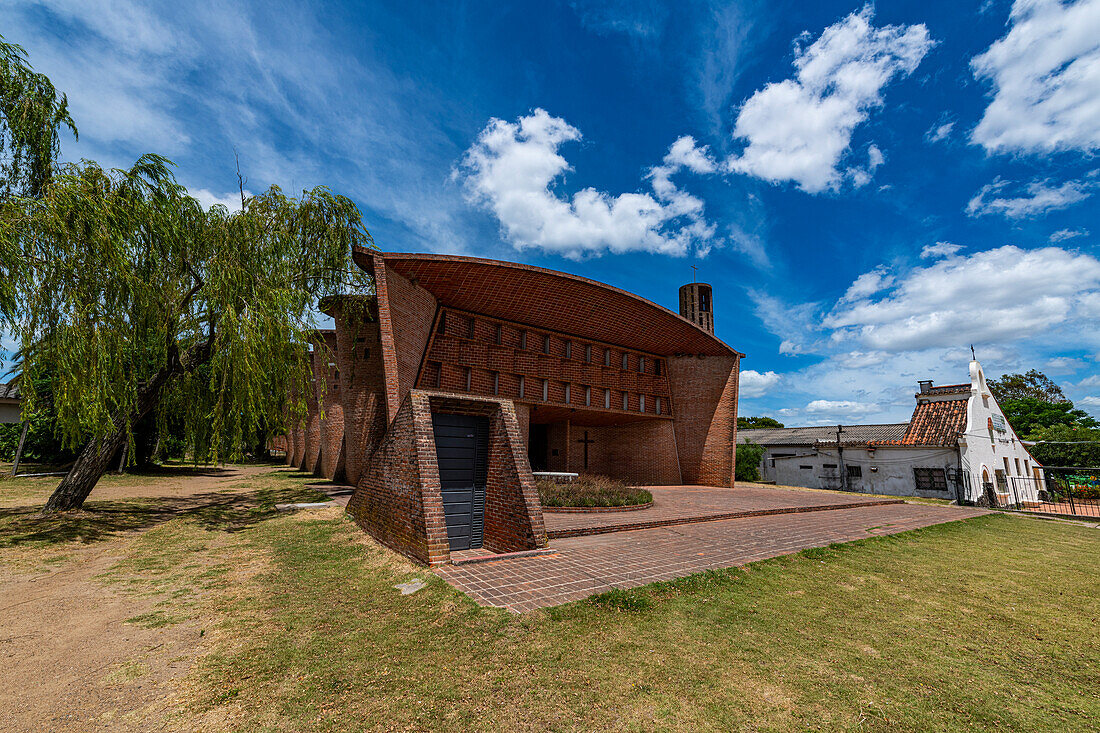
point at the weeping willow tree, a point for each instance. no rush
(135, 299)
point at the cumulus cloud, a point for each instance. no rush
(839, 407)
(1045, 78)
(1002, 294)
(939, 249)
(511, 167)
(756, 384)
(799, 129)
(867, 284)
(1063, 234)
(1039, 198)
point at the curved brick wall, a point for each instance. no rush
(328, 384)
(704, 396)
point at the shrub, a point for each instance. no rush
(748, 461)
(591, 491)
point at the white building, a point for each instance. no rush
(958, 445)
(9, 403)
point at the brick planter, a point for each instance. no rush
(594, 509)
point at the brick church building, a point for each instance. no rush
(464, 375)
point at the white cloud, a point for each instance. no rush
(939, 131)
(867, 284)
(1040, 198)
(1093, 381)
(510, 170)
(749, 245)
(799, 129)
(1090, 401)
(1045, 74)
(939, 249)
(999, 295)
(1063, 234)
(839, 407)
(208, 198)
(756, 384)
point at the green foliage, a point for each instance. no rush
(1032, 385)
(590, 490)
(31, 117)
(135, 299)
(1070, 446)
(42, 444)
(1028, 415)
(748, 461)
(756, 423)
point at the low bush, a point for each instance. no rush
(591, 491)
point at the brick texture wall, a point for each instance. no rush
(705, 394)
(513, 514)
(405, 316)
(311, 427)
(464, 356)
(642, 452)
(363, 394)
(329, 394)
(397, 499)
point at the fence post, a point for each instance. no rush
(1015, 493)
(1069, 492)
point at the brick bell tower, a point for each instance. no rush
(697, 305)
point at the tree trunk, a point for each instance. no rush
(85, 473)
(19, 450)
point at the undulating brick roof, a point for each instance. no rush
(936, 423)
(552, 300)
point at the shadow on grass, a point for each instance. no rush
(101, 520)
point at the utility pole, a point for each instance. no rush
(840, 453)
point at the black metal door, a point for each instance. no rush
(462, 451)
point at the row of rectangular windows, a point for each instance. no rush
(499, 337)
(657, 402)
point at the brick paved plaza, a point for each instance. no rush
(586, 565)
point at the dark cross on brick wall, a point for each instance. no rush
(586, 443)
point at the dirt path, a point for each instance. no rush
(80, 652)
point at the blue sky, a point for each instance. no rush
(869, 189)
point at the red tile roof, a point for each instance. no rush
(935, 423)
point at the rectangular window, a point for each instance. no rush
(657, 404)
(607, 399)
(588, 352)
(930, 479)
(641, 403)
(469, 378)
(437, 374)
(546, 344)
(496, 382)
(523, 339)
(704, 301)
(521, 386)
(1008, 470)
(607, 357)
(806, 468)
(626, 402)
(588, 395)
(568, 350)
(471, 329)
(545, 390)
(855, 471)
(568, 396)
(1017, 461)
(641, 364)
(626, 361)
(442, 323)
(1027, 467)
(498, 335)
(657, 367)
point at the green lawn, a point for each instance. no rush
(990, 624)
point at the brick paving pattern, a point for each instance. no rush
(679, 504)
(593, 564)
